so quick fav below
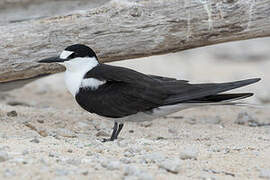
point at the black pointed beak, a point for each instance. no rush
(52, 60)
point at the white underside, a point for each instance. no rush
(167, 110)
(156, 113)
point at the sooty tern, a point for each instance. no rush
(123, 94)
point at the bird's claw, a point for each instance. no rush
(106, 140)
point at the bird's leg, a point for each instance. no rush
(120, 127)
(115, 128)
(115, 133)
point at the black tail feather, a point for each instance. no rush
(210, 91)
(221, 98)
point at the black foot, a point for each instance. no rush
(115, 133)
(106, 140)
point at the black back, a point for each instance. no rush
(128, 92)
(125, 92)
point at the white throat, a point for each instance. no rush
(75, 71)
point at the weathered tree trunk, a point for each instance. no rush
(124, 29)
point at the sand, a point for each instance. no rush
(44, 134)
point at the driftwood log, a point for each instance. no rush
(124, 29)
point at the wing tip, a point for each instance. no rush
(246, 95)
(254, 80)
(240, 96)
(246, 82)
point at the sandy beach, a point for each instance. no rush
(44, 134)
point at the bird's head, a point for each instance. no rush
(74, 57)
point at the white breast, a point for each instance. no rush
(73, 81)
(76, 70)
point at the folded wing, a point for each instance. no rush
(127, 92)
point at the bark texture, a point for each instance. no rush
(124, 29)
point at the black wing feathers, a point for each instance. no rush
(195, 91)
(118, 99)
(127, 92)
(221, 98)
(115, 73)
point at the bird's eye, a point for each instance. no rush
(72, 56)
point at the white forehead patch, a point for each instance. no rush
(65, 54)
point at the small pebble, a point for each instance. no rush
(145, 141)
(65, 133)
(146, 124)
(99, 149)
(80, 145)
(153, 157)
(25, 152)
(134, 150)
(18, 103)
(40, 121)
(102, 133)
(74, 161)
(20, 160)
(42, 132)
(172, 166)
(35, 140)
(125, 160)
(111, 165)
(160, 138)
(85, 173)
(189, 153)
(12, 114)
(69, 150)
(89, 153)
(173, 131)
(129, 154)
(52, 154)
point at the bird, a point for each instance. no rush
(124, 95)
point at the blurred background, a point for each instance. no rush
(224, 62)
